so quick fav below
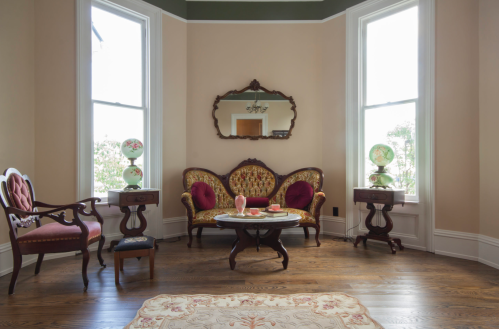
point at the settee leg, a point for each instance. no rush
(189, 231)
(200, 231)
(305, 230)
(317, 232)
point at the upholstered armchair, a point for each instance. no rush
(21, 209)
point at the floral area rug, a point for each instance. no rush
(251, 311)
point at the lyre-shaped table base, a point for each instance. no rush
(377, 232)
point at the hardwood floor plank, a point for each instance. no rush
(412, 289)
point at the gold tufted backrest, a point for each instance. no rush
(224, 200)
(252, 181)
(312, 177)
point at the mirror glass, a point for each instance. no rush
(254, 113)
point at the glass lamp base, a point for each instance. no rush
(132, 187)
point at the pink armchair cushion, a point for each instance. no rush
(19, 193)
(257, 202)
(203, 196)
(56, 232)
(299, 195)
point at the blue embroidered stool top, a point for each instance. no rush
(135, 243)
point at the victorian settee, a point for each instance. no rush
(260, 185)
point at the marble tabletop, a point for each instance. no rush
(288, 218)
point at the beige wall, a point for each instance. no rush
(17, 91)
(333, 40)
(174, 114)
(456, 116)
(279, 115)
(286, 59)
(489, 116)
(306, 61)
(55, 92)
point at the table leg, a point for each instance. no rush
(272, 240)
(244, 239)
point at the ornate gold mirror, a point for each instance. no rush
(254, 112)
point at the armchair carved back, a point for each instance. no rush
(16, 191)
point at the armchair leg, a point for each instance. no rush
(200, 231)
(317, 231)
(99, 251)
(39, 263)
(86, 258)
(189, 231)
(18, 260)
(305, 230)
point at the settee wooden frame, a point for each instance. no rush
(279, 180)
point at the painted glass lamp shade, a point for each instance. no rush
(132, 149)
(381, 155)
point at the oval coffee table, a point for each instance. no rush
(271, 238)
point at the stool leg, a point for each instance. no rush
(122, 260)
(116, 267)
(151, 263)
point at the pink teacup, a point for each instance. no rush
(275, 207)
(254, 211)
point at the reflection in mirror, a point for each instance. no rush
(255, 113)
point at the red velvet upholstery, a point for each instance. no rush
(57, 232)
(19, 193)
(257, 202)
(203, 196)
(299, 195)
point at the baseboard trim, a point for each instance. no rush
(470, 246)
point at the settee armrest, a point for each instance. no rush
(189, 205)
(315, 206)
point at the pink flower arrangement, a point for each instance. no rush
(135, 146)
(128, 143)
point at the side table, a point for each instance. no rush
(126, 198)
(389, 198)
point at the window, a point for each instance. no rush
(119, 93)
(390, 100)
(390, 92)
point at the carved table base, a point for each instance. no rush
(377, 232)
(271, 239)
(136, 231)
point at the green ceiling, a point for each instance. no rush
(224, 10)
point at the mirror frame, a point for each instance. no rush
(255, 86)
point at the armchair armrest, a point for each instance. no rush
(60, 218)
(189, 205)
(81, 210)
(315, 206)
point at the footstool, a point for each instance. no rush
(137, 246)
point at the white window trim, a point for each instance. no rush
(249, 116)
(426, 83)
(153, 17)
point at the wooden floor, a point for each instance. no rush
(412, 289)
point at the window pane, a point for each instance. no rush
(116, 59)
(396, 127)
(112, 125)
(392, 58)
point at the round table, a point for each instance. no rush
(270, 238)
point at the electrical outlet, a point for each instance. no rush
(335, 212)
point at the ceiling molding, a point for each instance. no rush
(258, 11)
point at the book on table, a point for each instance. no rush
(276, 214)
